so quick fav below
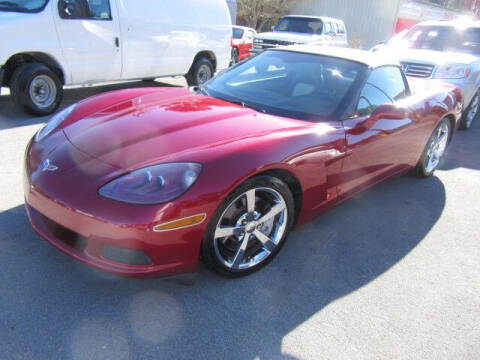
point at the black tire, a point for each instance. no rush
(208, 254)
(21, 82)
(201, 66)
(235, 56)
(464, 123)
(421, 170)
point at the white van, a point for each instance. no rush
(45, 44)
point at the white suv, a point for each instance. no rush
(298, 29)
(46, 44)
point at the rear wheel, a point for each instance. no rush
(202, 70)
(36, 88)
(472, 112)
(235, 56)
(434, 150)
(249, 228)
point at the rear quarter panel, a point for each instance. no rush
(430, 102)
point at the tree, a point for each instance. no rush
(259, 14)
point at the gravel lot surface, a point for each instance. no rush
(391, 274)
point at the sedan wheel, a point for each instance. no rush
(250, 228)
(435, 149)
(472, 112)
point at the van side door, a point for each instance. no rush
(89, 35)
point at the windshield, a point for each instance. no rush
(300, 25)
(237, 33)
(22, 5)
(286, 83)
(444, 38)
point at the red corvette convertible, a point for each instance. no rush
(148, 181)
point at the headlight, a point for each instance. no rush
(258, 41)
(452, 71)
(153, 185)
(54, 122)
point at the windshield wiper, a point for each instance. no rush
(200, 89)
(244, 104)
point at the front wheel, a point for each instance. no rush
(249, 228)
(472, 112)
(36, 88)
(202, 70)
(434, 150)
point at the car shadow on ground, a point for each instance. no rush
(80, 313)
(12, 116)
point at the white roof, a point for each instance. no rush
(323, 18)
(371, 59)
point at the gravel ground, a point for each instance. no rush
(391, 274)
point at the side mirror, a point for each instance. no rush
(390, 112)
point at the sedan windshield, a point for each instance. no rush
(444, 38)
(22, 5)
(286, 83)
(237, 33)
(300, 25)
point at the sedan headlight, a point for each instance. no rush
(154, 184)
(452, 71)
(54, 122)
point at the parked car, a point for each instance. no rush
(391, 42)
(47, 44)
(143, 181)
(296, 29)
(242, 42)
(446, 50)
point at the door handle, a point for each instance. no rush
(117, 42)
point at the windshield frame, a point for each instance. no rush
(344, 105)
(28, 11)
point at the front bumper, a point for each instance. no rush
(107, 235)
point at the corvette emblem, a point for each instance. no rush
(48, 166)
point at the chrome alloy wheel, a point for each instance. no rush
(437, 147)
(472, 111)
(204, 74)
(42, 91)
(250, 228)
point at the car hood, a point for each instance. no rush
(163, 125)
(433, 57)
(286, 36)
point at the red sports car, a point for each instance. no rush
(242, 42)
(148, 181)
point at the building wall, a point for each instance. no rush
(232, 4)
(368, 21)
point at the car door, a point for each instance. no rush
(89, 35)
(247, 43)
(378, 143)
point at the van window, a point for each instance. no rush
(341, 28)
(327, 27)
(335, 28)
(85, 9)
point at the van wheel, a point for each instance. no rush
(36, 88)
(200, 73)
